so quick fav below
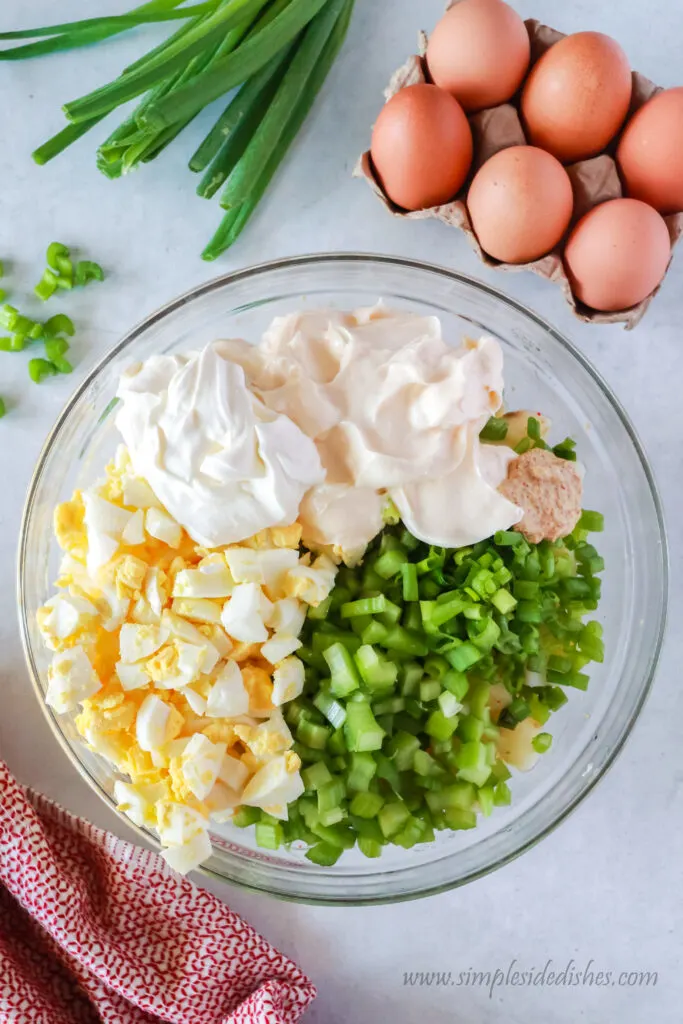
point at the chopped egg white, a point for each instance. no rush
(243, 614)
(190, 855)
(274, 786)
(288, 681)
(200, 764)
(163, 527)
(138, 642)
(279, 647)
(71, 680)
(134, 530)
(132, 677)
(210, 580)
(287, 616)
(312, 583)
(233, 773)
(153, 723)
(228, 696)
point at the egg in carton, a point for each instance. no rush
(594, 181)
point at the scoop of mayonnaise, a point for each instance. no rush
(223, 463)
(395, 413)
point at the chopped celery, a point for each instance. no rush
(366, 805)
(324, 854)
(362, 770)
(361, 729)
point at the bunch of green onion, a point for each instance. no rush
(278, 51)
(394, 727)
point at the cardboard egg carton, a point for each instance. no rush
(594, 181)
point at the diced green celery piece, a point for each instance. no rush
(333, 711)
(375, 670)
(389, 706)
(470, 729)
(409, 835)
(429, 689)
(424, 764)
(332, 816)
(321, 611)
(440, 727)
(316, 776)
(456, 683)
(330, 795)
(369, 847)
(368, 827)
(464, 656)
(392, 818)
(502, 795)
(361, 729)
(389, 564)
(337, 744)
(411, 673)
(402, 748)
(503, 601)
(405, 642)
(312, 735)
(375, 633)
(366, 805)
(324, 854)
(364, 606)
(472, 763)
(345, 678)
(268, 836)
(387, 770)
(336, 835)
(362, 770)
(457, 819)
(485, 800)
(478, 699)
(245, 816)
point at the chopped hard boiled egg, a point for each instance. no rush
(177, 661)
(228, 696)
(163, 527)
(244, 613)
(71, 680)
(275, 785)
(288, 681)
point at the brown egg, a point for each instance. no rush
(422, 147)
(479, 52)
(520, 204)
(650, 153)
(577, 96)
(617, 254)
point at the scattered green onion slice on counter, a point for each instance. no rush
(40, 369)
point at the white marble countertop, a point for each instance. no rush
(606, 886)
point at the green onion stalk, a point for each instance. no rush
(276, 54)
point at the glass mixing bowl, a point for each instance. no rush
(543, 371)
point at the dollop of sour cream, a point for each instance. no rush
(223, 463)
(329, 419)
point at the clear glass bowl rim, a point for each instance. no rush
(301, 263)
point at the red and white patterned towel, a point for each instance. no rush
(95, 930)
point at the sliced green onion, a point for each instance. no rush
(542, 742)
(39, 369)
(87, 271)
(496, 429)
(3, 408)
(47, 285)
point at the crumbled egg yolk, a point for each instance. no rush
(153, 617)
